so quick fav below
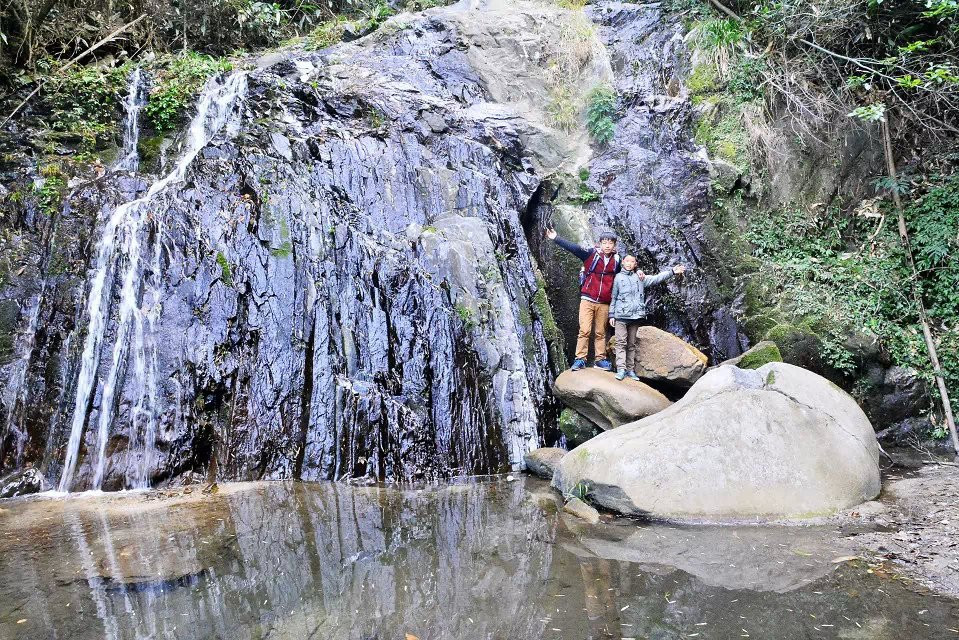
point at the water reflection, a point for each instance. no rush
(489, 560)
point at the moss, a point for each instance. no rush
(725, 136)
(760, 355)
(226, 273)
(544, 312)
(576, 428)
(148, 147)
(326, 34)
(704, 79)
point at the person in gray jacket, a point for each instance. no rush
(627, 310)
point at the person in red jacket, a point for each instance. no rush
(600, 266)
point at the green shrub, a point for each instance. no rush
(326, 34)
(833, 272)
(600, 109)
(178, 80)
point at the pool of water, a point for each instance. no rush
(489, 559)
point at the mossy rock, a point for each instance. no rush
(797, 345)
(576, 427)
(760, 354)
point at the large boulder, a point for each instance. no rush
(606, 401)
(775, 442)
(666, 359)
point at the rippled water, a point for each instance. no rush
(481, 559)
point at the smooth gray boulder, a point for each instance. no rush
(742, 445)
(606, 401)
(543, 461)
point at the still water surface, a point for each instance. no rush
(484, 559)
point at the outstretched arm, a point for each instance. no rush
(664, 275)
(575, 249)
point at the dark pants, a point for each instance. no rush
(626, 342)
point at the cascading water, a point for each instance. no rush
(135, 100)
(127, 225)
(13, 390)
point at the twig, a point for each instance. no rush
(70, 64)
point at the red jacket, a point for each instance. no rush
(598, 283)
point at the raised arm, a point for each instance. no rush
(575, 249)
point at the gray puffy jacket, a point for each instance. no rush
(629, 294)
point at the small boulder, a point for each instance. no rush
(606, 401)
(582, 510)
(542, 461)
(666, 359)
(577, 428)
(758, 355)
(775, 442)
(22, 483)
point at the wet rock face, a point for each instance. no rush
(653, 185)
(22, 483)
(340, 287)
(343, 283)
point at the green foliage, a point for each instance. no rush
(226, 273)
(721, 32)
(584, 194)
(870, 113)
(50, 193)
(85, 102)
(580, 490)
(466, 315)
(326, 34)
(376, 15)
(600, 109)
(746, 79)
(178, 80)
(842, 278)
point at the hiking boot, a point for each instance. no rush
(621, 374)
(578, 364)
(632, 375)
(605, 365)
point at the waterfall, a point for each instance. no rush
(125, 227)
(13, 390)
(136, 99)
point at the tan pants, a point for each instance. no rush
(626, 343)
(593, 318)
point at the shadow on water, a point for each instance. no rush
(477, 559)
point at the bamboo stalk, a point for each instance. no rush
(923, 319)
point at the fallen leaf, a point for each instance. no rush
(410, 636)
(844, 559)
